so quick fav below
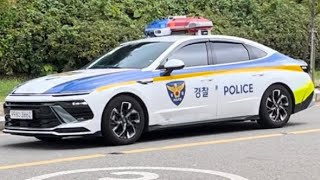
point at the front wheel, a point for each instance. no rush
(276, 107)
(123, 121)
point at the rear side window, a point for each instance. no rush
(254, 52)
(229, 52)
(192, 55)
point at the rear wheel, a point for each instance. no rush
(123, 121)
(276, 107)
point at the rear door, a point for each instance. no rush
(238, 87)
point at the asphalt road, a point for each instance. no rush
(227, 151)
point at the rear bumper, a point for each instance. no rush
(308, 102)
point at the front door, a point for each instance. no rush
(186, 95)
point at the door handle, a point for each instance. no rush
(145, 81)
(207, 80)
(258, 75)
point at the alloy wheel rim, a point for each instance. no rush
(277, 106)
(125, 120)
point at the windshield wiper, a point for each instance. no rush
(112, 67)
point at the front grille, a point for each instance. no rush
(45, 115)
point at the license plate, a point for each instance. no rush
(21, 114)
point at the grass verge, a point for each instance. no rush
(7, 84)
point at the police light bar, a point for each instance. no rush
(178, 25)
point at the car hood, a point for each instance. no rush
(74, 81)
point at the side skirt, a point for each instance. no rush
(199, 123)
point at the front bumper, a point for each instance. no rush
(59, 132)
(53, 117)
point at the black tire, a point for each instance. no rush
(49, 139)
(123, 121)
(276, 107)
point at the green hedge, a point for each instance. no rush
(43, 36)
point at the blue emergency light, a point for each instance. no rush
(178, 25)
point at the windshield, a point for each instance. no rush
(137, 56)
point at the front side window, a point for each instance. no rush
(229, 52)
(192, 55)
(137, 56)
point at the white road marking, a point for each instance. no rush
(200, 171)
(145, 176)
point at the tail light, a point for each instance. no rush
(305, 68)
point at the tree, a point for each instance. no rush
(44, 36)
(312, 31)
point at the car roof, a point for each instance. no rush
(176, 38)
(182, 38)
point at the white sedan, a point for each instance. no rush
(160, 82)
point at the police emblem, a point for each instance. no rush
(176, 91)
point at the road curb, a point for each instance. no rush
(317, 92)
(1, 116)
(1, 109)
(1, 123)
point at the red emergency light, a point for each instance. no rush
(179, 25)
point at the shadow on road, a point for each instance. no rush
(159, 135)
(203, 130)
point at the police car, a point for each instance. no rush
(162, 81)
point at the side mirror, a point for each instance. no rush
(171, 65)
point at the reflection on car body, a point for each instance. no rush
(159, 82)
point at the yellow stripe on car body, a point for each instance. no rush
(229, 71)
(207, 73)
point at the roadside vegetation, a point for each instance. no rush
(39, 37)
(7, 84)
